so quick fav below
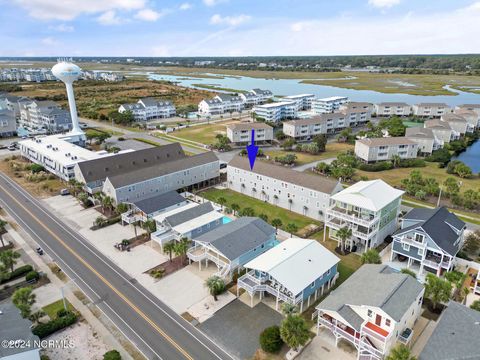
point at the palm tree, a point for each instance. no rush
(371, 257)
(396, 160)
(3, 223)
(215, 285)
(150, 226)
(289, 309)
(409, 272)
(276, 223)
(9, 259)
(36, 316)
(294, 331)
(24, 299)
(290, 202)
(107, 203)
(466, 291)
(264, 217)
(169, 248)
(400, 352)
(181, 248)
(235, 207)
(221, 201)
(437, 290)
(291, 228)
(343, 234)
(121, 208)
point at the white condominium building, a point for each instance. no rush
(220, 104)
(256, 97)
(458, 123)
(241, 133)
(430, 109)
(471, 116)
(303, 193)
(303, 101)
(442, 130)
(148, 109)
(328, 105)
(369, 208)
(357, 113)
(381, 149)
(424, 137)
(304, 129)
(393, 109)
(277, 111)
(46, 116)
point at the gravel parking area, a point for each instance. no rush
(236, 327)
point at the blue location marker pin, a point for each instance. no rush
(252, 151)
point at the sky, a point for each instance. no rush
(237, 27)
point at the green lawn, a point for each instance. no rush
(412, 124)
(332, 150)
(52, 309)
(259, 207)
(204, 134)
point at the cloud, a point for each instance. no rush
(229, 20)
(70, 9)
(148, 15)
(49, 41)
(109, 18)
(213, 2)
(382, 4)
(185, 6)
(62, 28)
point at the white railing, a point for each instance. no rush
(352, 218)
(204, 254)
(265, 287)
(163, 237)
(411, 241)
(431, 264)
(374, 334)
(129, 217)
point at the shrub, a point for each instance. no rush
(112, 355)
(42, 330)
(18, 272)
(411, 163)
(32, 276)
(379, 166)
(62, 312)
(270, 340)
(36, 168)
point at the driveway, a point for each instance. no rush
(323, 347)
(236, 327)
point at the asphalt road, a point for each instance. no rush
(155, 329)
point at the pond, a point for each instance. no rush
(471, 157)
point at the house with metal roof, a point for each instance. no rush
(303, 193)
(233, 244)
(188, 221)
(145, 209)
(369, 208)
(296, 271)
(374, 309)
(15, 328)
(456, 336)
(187, 172)
(428, 240)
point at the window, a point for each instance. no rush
(406, 247)
(387, 322)
(312, 285)
(369, 313)
(420, 252)
(419, 238)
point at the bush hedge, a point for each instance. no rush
(270, 340)
(112, 355)
(32, 276)
(15, 274)
(42, 330)
(378, 166)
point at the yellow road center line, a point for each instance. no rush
(133, 306)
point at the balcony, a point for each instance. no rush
(375, 331)
(252, 284)
(351, 216)
(411, 241)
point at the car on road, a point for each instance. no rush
(64, 192)
(83, 125)
(223, 165)
(39, 251)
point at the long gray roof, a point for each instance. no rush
(239, 236)
(14, 327)
(419, 132)
(374, 285)
(153, 171)
(101, 168)
(456, 336)
(437, 223)
(282, 173)
(159, 202)
(189, 214)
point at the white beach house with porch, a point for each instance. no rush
(429, 240)
(297, 271)
(189, 221)
(369, 208)
(374, 309)
(233, 244)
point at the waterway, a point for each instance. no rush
(471, 157)
(295, 86)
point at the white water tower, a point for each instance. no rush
(67, 72)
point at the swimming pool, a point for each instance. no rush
(226, 220)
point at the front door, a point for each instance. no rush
(378, 320)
